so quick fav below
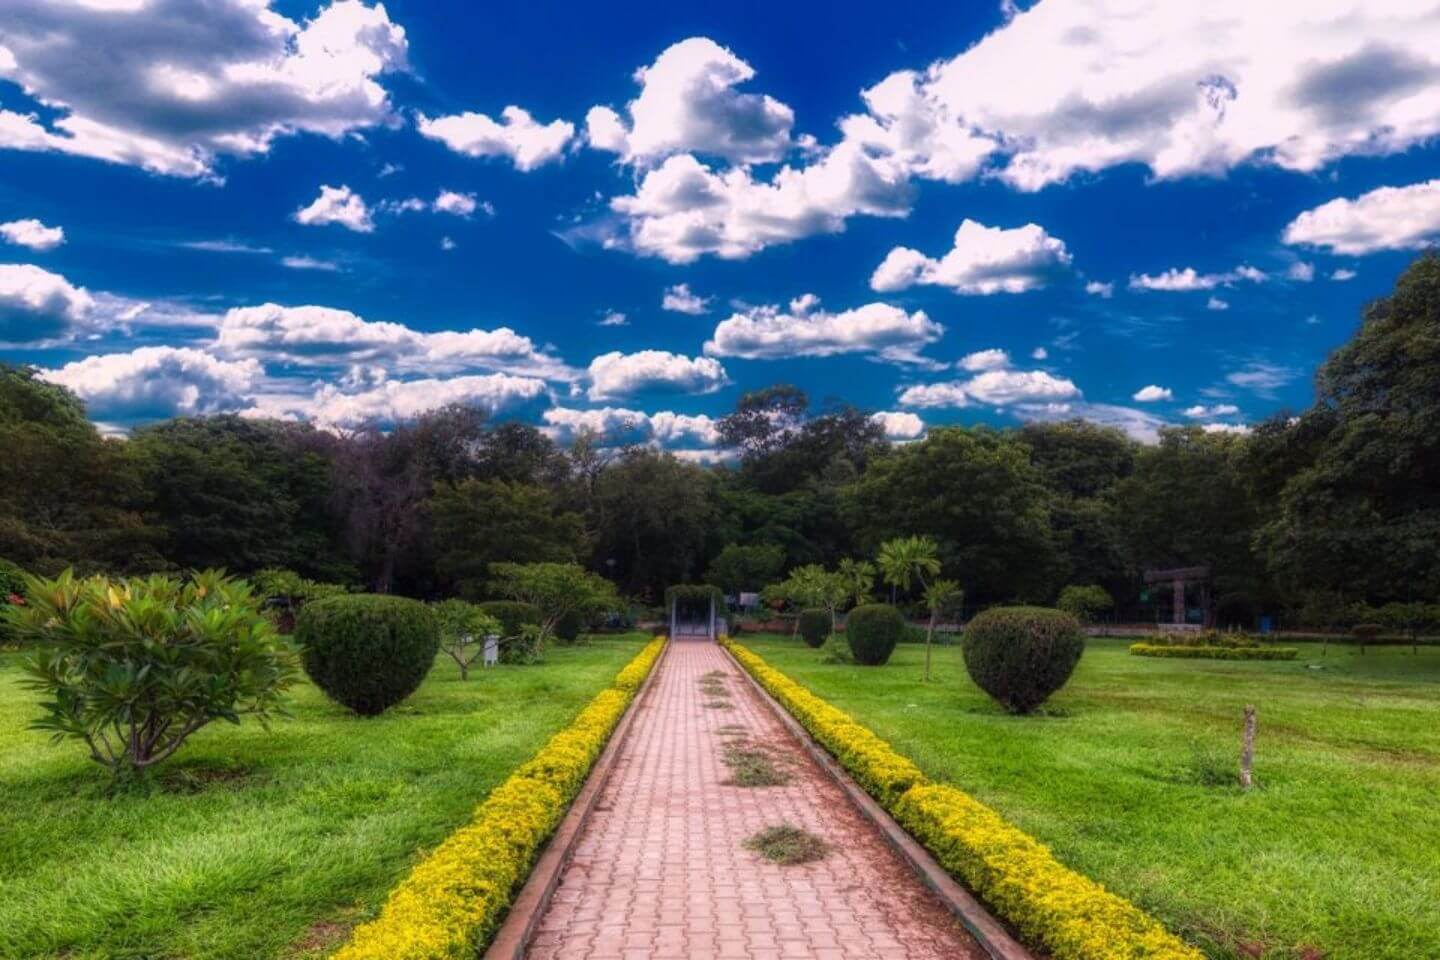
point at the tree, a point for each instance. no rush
(463, 629)
(905, 558)
(859, 577)
(1084, 603)
(557, 589)
(763, 420)
(941, 597)
(814, 586)
(476, 523)
(739, 568)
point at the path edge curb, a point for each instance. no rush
(530, 904)
(992, 935)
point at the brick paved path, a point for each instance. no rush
(660, 870)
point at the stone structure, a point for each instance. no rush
(1181, 577)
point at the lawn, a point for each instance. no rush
(261, 845)
(1129, 777)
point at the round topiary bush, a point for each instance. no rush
(873, 629)
(1021, 655)
(814, 627)
(512, 614)
(367, 652)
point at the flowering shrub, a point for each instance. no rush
(1213, 653)
(450, 904)
(1069, 915)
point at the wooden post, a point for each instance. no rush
(1247, 748)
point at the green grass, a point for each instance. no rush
(787, 845)
(1129, 776)
(262, 845)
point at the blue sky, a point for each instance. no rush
(622, 216)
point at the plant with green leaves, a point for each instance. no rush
(133, 667)
(859, 577)
(463, 628)
(943, 597)
(557, 589)
(1085, 603)
(904, 560)
(814, 586)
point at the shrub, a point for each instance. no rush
(836, 649)
(873, 630)
(512, 615)
(1196, 652)
(366, 651)
(814, 626)
(1084, 603)
(134, 667)
(1021, 655)
(463, 628)
(568, 627)
(12, 591)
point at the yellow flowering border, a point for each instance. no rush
(1213, 653)
(1071, 916)
(450, 904)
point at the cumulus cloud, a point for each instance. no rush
(153, 383)
(33, 234)
(614, 375)
(315, 336)
(1140, 425)
(1202, 412)
(453, 202)
(180, 84)
(37, 305)
(899, 425)
(394, 401)
(1215, 303)
(339, 205)
(805, 330)
(1188, 280)
(984, 260)
(1039, 353)
(618, 426)
(517, 136)
(1153, 394)
(680, 299)
(1390, 218)
(1300, 272)
(1343, 274)
(992, 387)
(1102, 290)
(688, 104)
(993, 359)
(1261, 378)
(1235, 428)
(614, 318)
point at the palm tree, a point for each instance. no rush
(907, 558)
(859, 576)
(940, 596)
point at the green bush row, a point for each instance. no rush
(1213, 653)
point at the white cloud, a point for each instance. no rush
(1103, 290)
(1189, 280)
(993, 359)
(517, 135)
(1140, 425)
(1390, 218)
(614, 318)
(1153, 394)
(1215, 303)
(33, 234)
(1235, 428)
(395, 401)
(37, 305)
(993, 387)
(315, 336)
(984, 260)
(153, 383)
(619, 426)
(1039, 353)
(899, 425)
(615, 374)
(1186, 89)
(447, 244)
(302, 262)
(804, 330)
(401, 207)
(688, 104)
(1300, 272)
(679, 299)
(1261, 378)
(339, 205)
(1343, 274)
(1202, 412)
(179, 84)
(453, 202)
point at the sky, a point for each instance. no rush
(622, 216)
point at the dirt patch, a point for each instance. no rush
(787, 845)
(321, 937)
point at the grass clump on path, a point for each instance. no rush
(751, 766)
(787, 845)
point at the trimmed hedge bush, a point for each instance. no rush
(814, 627)
(1021, 655)
(1213, 653)
(873, 630)
(367, 652)
(451, 903)
(1069, 915)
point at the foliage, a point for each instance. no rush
(1366, 633)
(133, 667)
(836, 649)
(556, 589)
(1085, 603)
(745, 568)
(479, 522)
(463, 628)
(512, 615)
(1200, 652)
(859, 578)
(942, 598)
(699, 594)
(275, 583)
(814, 626)
(569, 627)
(12, 590)
(905, 558)
(873, 630)
(1069, 915)
(814, 586)
(452, 902)
(526, 647)
(1021, 655)
(367, 652)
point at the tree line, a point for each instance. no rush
(1310, 511)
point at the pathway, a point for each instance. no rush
(660, 870)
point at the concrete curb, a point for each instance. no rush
(992, 935)
(529, 906)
